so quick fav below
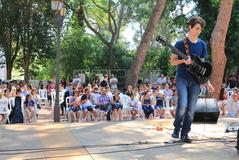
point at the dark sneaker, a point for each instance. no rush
(175, 133)
(186, 139)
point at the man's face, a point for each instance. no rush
(130, 88)
(159, 87)
(167, 87)
(235, 97)
(195, 30)
(106, 77)
(5, 86)
(71, 87)
(87, 92)
(104, 91)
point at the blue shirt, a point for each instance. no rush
(29, 103)
(199, 48)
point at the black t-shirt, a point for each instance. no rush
(103, 83)
(129, 93)
(116, 101)
(84, 97)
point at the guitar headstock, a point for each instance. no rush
(161, 40)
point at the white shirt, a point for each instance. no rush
(4, 106)
(87, 104)
(162, 80)
(110, 95)
(159, 92)
(95, 96)
(113, 83)
(168, 92)
(43, 93)
(133, 102)
(76, 81)
(232, 107)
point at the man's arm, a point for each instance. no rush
(175, 61)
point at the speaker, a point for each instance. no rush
(207, 110)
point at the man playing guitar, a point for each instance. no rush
(187, 85)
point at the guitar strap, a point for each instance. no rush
(186, 46)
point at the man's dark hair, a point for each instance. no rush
(196, 19)
(18, 90)
(86, 89)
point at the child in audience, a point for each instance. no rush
(29, 108)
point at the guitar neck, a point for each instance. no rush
(176, 51)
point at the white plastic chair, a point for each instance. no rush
(140, 110)
(53, 97)
(43, 95)
(11, 102)
(61, 97)
(126, 109)
(67, 107)
(167, 108)
(4, 104)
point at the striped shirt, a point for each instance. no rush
(104, 99)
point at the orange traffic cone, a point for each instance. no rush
(159, 128)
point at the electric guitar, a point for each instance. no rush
(198, 68)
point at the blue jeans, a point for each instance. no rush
(188, 91)
(105, 107)
(147, 110)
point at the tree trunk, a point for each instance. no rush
(218, 44)
(112, 56)
(26, 64)
(9, 70)
(133, 73)
(119, 22)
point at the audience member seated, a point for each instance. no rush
(95, 94)
(4, 110)
(129, 91)
(104, 102)
(117, 105)
(36, 98)
(159, 93)
(222, 101)
(74, 107)
(29, 108)
(147, 105)
(233, 105)
(87, 105)
(133, 103)
(168, 93)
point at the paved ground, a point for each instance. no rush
(127, 140)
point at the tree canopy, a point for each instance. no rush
(95, 34)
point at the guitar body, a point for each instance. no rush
(201, 70)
